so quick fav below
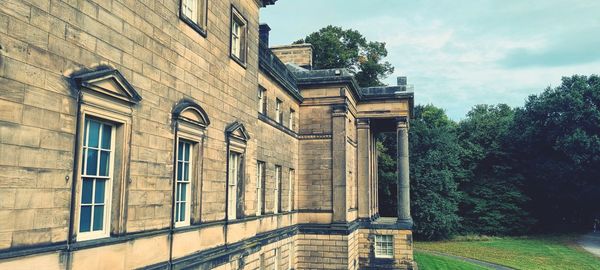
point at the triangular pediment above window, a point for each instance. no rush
(238, 131)
(108, 82)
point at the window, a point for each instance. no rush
(262, 100)
(291, 255)
(260, 181)
(96, 176)
(384, 246)
(277, 192)
(292, 115)
(277, 259)
(239, 31)
(278, 112)
(234, 178)
(182, 184)
(237, 138)
(262, 262)
(193, 12)
(291, 190)
(103, 137)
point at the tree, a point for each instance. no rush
(493, 200)
(334, 47)
(435, 173)
(556, 144)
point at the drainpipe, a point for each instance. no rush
(172, 225)
(74, 180)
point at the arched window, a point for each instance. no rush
(190, 122)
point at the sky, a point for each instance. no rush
(458, 55)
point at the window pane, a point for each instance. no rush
(177, 211)
(183, 192)
(94, 132)
(85, 218)
(186, 171)
(182, 212)
(86, 191)
(104, 163)
(98, 217)
(92, 162)
(187, 152)
(179, 170)
(180, 151)
(99, 194)
(106, 136)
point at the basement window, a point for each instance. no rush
(384, 246)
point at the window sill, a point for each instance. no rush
(238, 60)
(193, 25)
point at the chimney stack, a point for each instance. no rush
(402, 81)
(263, 33)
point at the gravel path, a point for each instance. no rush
(477, 262)
(591, 243)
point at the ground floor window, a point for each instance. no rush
(384, 246)
(96, 174)
(183, 180)
(235, 160)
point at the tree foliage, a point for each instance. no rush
(493, 201)
(334, 47)
(435, 169)
(556, 144)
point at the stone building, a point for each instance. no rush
(168, 135)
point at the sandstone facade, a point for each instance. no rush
(155, 80)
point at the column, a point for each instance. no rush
(364, 166)
(338, 171)
(403, 172)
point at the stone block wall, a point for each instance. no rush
(322, 251)
(299, 54)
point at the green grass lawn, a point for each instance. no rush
(432, 262)
(535, 252)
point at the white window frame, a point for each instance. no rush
(291, 252)
(108, 186)
(189, 8)
(262, 264)
(384, 246)
(261, 101)
(232, 183)
(277, 259)
(239, 35)
(278, 111)
(291, 178)
(276, 190)
(188, 183)
(260, 170)
(236, 39)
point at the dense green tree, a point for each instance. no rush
(435, 172)
(493, 199)
(387, 176)
(334, 47)
(556, 144)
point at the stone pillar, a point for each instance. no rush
(364, 167)
(339, 120)
(372, 177)
(403, 172)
